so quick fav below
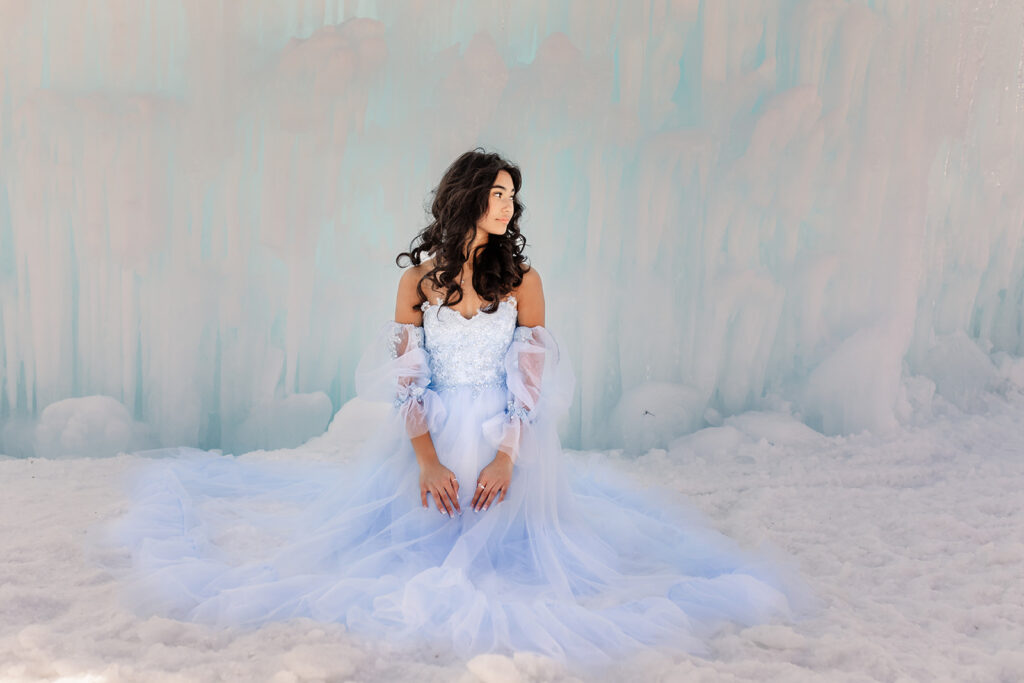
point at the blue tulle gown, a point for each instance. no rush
(573, 565)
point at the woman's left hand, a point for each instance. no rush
(493, 478)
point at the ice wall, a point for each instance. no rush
(814, 206)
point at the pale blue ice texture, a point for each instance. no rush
(808, 206)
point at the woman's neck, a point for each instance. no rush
(479, 239)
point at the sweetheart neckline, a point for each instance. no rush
(511, 301)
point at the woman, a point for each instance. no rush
(521, 557)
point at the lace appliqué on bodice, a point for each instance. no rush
(468, 351)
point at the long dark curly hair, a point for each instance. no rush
(460, 199)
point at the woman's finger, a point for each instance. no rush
(423, 496)
(455, 485)
(476, 496)
(504, 490)
(491, 493)
(439, 500)
(485, 495)
(446, 496)
(453, 497)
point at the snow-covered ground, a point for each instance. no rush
(913, 542)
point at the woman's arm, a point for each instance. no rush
(407, 304)
(497, 475)
(530, 300)
(435, 478)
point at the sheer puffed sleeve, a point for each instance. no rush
(540, 389)
(396, 368)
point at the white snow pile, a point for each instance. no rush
(912, 541)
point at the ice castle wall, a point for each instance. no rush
(811, 206)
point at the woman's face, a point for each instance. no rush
(499, 205)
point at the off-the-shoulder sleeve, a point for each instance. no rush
(540, 388)
(396, 368)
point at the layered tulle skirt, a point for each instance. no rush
(576, 563)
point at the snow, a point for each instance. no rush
(912, 543)
(92, 425)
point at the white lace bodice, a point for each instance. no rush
(415, 366)
(468, 351)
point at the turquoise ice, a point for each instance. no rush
(808, 207)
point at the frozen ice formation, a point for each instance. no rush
(808, 207)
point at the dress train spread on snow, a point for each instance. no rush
(572, 564)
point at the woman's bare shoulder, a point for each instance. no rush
(531, 279)
(412, 274)
(410, 288)
(530, 299)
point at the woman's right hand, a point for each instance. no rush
(440, 482)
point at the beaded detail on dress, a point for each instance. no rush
(468, 351)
